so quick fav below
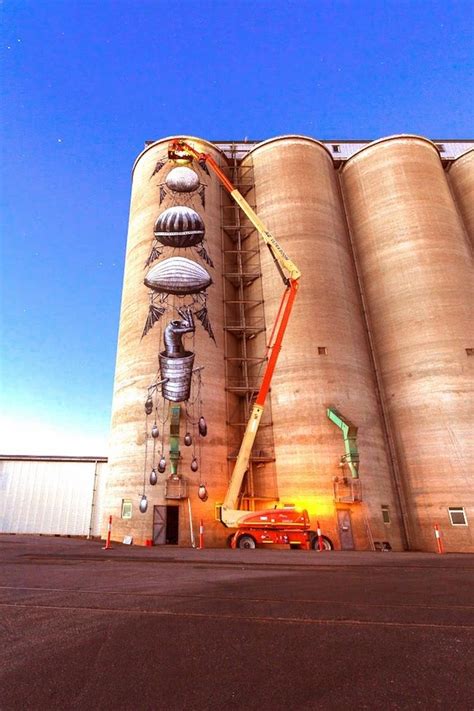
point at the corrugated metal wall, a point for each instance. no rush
(51, 497)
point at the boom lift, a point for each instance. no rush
(284, 525)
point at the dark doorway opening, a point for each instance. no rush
(172, 525)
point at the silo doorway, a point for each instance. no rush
(165, 525)
(172, 525)
(345, 529)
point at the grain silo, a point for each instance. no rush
(379, 344)
(416, 279)
(325, 360)
(461, 179)
(170, 368)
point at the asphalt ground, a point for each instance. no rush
(168, 628)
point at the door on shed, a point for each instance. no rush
(159, 525)
(345, 529)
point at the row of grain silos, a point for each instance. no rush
(381, 332)
(415, 268)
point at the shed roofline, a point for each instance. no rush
(46, 458)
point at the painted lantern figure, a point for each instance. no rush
(183, 180)
(180, 227)
(176, 363)
(178, 276)
(177, 227)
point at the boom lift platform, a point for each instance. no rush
(279, 525)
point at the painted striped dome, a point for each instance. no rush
(179, 226)
(178, 275)
(182, 180)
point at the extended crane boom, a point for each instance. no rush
(180, 149)
(230, 514)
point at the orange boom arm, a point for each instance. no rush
(230, 515)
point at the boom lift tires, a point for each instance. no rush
(327, 544)
(246, 541)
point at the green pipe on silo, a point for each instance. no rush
(174, 438)
(349, 433)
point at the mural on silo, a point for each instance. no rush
(177, 286)
(180, 225)
(178, 276)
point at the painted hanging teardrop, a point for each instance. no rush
(202, 427)
(148, 405)
(194, 465)
(162, 465)
(155, 432)
(202, 492)
(153, 477)
(188, 440)
(143, 504)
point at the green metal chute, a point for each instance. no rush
(349, 433)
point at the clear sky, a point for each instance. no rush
(85, 83)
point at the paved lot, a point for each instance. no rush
(167, 628)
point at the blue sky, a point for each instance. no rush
(84, 84)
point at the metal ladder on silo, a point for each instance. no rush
(244, 321)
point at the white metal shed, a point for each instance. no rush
(51, 495)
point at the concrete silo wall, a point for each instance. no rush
(416, 276)
(325, 359)
(461, 179)
(137, 361)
